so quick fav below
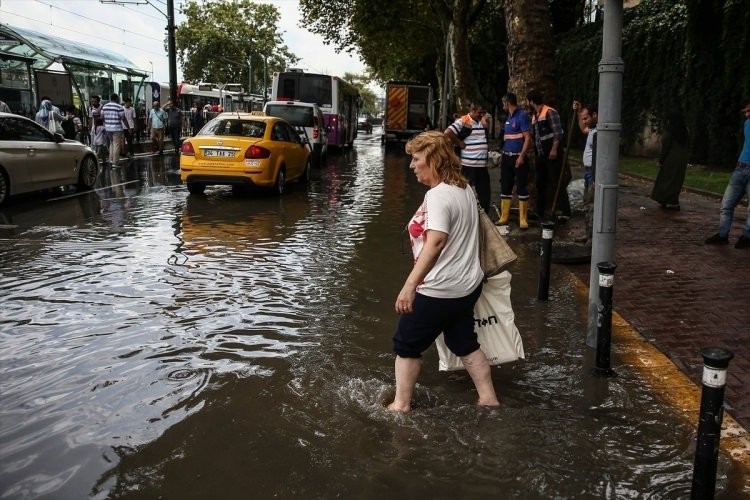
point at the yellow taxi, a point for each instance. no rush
(244, 149)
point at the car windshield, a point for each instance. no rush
(298, 116)
(236, 127)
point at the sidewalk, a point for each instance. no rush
(678, 293)
(673, 296)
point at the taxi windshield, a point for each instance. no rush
(235, 127)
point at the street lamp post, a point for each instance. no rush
(152, 70)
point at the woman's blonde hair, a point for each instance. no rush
(439, 156)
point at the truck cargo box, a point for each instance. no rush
(408, 110)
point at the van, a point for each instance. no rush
(307, 118)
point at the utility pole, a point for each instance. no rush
(609, 126)
(249, 74)
(171, 50)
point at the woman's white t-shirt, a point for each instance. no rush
(451, 210)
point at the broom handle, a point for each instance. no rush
(564, 167)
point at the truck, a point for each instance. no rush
(409, 109)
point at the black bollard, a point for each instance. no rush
(604, 319)
(545, 259)
(715, 363)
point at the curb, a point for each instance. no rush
(673, 387)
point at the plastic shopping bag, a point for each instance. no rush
(494, 323)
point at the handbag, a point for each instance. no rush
(54, 126)
(494, 252)
(494, 322)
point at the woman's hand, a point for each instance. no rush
(405, 299)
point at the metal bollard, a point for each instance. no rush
(604, 319)
(715, 363)
(545, 259)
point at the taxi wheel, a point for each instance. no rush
(196, 188)
(280, 182)
(317, 157)
(88, 173)
(308, 171)
(4, 186)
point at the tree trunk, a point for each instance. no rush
(531, 49)
(462, 71)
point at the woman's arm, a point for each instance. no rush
(433, 246)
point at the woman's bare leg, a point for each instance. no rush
(407, 371)
(479, 370)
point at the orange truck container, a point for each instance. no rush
(409, 109)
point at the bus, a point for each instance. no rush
(230, 97)
(338, 100)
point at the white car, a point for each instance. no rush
(308, 119)
(33, 159)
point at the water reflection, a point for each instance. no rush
(229, 346)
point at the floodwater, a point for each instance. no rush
(159, 345)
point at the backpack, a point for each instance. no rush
(69, 128)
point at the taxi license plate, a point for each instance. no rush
(218, 153)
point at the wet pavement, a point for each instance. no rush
(673, 295)
(678, 293)
(156, 344)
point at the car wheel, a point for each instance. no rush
(308, 171)
(280, 182)
(317, 156)
(88, 173)
(196, 188)
(4, 186)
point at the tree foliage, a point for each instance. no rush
(406, 40)
(679, 55)
(367, 97)
(396, 40)
(217, 39)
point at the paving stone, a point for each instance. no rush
(702, 302)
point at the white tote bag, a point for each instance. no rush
(495, 325)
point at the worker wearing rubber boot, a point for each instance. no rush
(514, 168)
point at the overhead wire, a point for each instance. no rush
(78, 33)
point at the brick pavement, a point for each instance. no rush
(678, 293)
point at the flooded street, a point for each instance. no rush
(155, 344)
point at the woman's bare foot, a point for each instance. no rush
(489, 404)
(394, 407)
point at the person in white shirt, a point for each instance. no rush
(440, 292)
(127, 103)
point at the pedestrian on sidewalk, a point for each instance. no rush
(174, 124)
(197, 119)
(94, 112)
(116, 125)
(737, 188)
(588, 117)
(470, 133)
(548, 136)
(71, 124)
(100, 140)
(672, 162)
(440, 292)
(49, 116)
(514, 170)
(131, 119)
(155, 125)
